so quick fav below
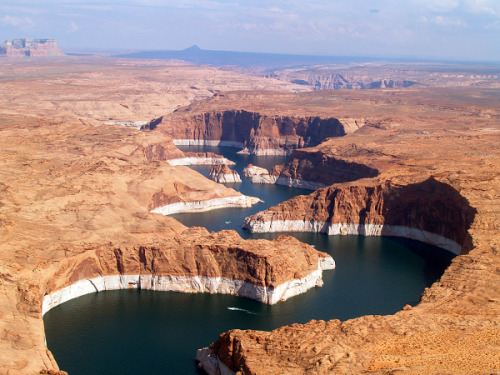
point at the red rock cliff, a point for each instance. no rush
(320, 168)
(429, 206)
(260, 133)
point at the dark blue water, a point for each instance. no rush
(144, 332)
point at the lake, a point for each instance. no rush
(145, 332)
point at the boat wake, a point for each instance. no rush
(243, 310)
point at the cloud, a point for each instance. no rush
(490, 7)
(16, 21)
(444, 21)
(73, 27)
(449, 21)
(276, 10)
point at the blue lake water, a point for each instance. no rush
(144, 332)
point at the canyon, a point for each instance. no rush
(452, 203)
(387, 75)
(261, 132)
(77, 201)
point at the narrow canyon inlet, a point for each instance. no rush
(141, 331)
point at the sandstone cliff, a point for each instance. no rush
(258, 129)
(29, 48)
(312, 169)
(223, 174)
(429, 211)
(260, 134)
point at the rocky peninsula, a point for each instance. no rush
(223, 174)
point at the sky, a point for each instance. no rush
(462, 30)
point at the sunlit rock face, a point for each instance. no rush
(223, 174)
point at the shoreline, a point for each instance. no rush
(206, 205)
(354, 229)
(193, 160)
(233, 144)
(191, 284)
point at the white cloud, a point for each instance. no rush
(73, 27)
(449, 21)
(491, 7)
(276, 10)
(16, 21)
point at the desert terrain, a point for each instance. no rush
(78, 188)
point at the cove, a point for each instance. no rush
(144, 332)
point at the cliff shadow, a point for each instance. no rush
(433, 207)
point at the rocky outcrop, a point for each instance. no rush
(312, 170)
(359, 76)
(223, 174)
(192, 262)
(29, 48)
(258, 175)
(429, 211)
(261, 134)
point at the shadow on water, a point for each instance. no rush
(144, 332)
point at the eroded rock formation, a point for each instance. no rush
(203, 158)
(429, 211)
(223, 174)
(258, 175)
(261, 132)
(193, 261)
(312, 170)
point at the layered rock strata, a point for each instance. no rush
(197, 261)
(261, 132)
(314, 169)
(206, 205)
(258, 175)
(30, 48)
(429, 211)
(223, 174)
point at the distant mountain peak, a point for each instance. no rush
(193, 48)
